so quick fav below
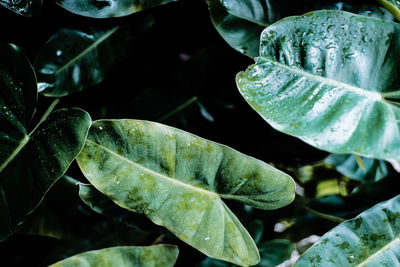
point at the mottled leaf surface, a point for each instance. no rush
(159, 255)
(370, 239)
(325, 78)
(26, 8)
(73, 60)
(240, 22)
(346, 164)
(108, 8)
(178, 179)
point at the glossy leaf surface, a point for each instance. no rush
(323, 78)
(109, 8)
(346, 164)
(44, 158)
(370, 239)
(159, 255)
(73, 60)
(178, 179)
(26, 8)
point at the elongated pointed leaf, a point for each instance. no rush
(159, 255)
(177, 180)
(73, 60)
(26, 8)
(346, 164)
(240, 22)
(322, 77)
(44, 158)
(109, 8)
(370, 239)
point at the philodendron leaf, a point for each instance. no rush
(109, 8)
(347, 165)
(178, 179)
(240, 22)
(128, 256)
(73, 60)
(323, 77)
(26, 8)
(370, 239)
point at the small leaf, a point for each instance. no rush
(326, 90)
(73, 60)
(109, 8)
(159, 255)
(370, 239)
(26, 8)
(178, 179)
(275, 252)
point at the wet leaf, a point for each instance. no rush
(178, 179)
(324, 78)
(159, 255)
(73, 60)
(370, 239)
(109, 8)
(27, 8)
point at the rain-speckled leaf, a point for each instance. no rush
(178, 179)
(325, 78)
(27, 8)
(44, 157)
(128, 256)
(370, 239)
(73, 60)
(109, 8)
(346, 164)
(393, 6)
(240, 22)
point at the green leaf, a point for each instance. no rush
(73, 60)
(26, 8)
(109, 8)
(178, 179)
(346, 164)
(240, 22)
(370, 239)
(44, 157)
(159, 255)
(393, 6)
(275, 252)
(322, 77)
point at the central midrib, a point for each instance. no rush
(387, 246)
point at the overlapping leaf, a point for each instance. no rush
(30, 162)
(370, 239)
(159, 255)
(178, 179)
(324, 78)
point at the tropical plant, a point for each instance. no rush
(315, 181)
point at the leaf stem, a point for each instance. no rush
(176, 110)
(46, 114)
(391, 8)
(324, 215)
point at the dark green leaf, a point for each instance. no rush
(109, 8)
(370, 239)
(178, 179)
(275, 252)
(323, 77)
(26, 8)
(159, 255)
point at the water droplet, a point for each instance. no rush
(59, 53)
(207, 238)
(351, 258)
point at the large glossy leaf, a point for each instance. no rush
(374, 170)
(159, 255)
(240, 22)
(178, 179)
(370, 239)
(109, 8)
(73, 60)
(26, 8)
(323, 78)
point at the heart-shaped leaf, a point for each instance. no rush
(159, 255)
(370, 239)
(73, 60)
(177, 180)
(109, 8)
(30, 162)
(26, 8)
(324, 77)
